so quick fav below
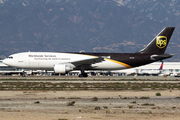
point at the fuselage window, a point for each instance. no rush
(10, 57)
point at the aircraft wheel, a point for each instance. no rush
(83, 75)
(23, 74)
(80, 75)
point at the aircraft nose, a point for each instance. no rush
(5, 61)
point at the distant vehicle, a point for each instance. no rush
(66, 62)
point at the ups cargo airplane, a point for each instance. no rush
(66, 62)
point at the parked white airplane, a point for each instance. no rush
(127, 71)
(152, 72)
(65, 62)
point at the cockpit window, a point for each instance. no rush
(10, 57)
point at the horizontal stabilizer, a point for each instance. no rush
(160, 57)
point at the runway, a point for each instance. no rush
(69, 81)
(92, 77)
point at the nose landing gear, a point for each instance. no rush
(23, 74)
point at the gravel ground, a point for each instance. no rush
(53, 105)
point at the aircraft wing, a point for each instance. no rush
(87, 62)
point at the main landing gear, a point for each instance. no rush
(83, 74)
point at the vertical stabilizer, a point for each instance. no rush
(161, 67)
(159, 43)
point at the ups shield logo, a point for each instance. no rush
(161, 41)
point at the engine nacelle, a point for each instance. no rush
(63, 68)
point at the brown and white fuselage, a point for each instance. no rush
(65, 62)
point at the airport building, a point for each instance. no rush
(169, 68)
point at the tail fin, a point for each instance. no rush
(161, 67)
(159, 43)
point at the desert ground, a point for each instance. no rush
(111, 105)
(126, 104)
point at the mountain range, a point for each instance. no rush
(88, 25)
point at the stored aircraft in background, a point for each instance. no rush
(66, 62)
(152, 72)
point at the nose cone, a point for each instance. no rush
(5, 61)
(9, 61)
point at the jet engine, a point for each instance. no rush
(63, 68)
